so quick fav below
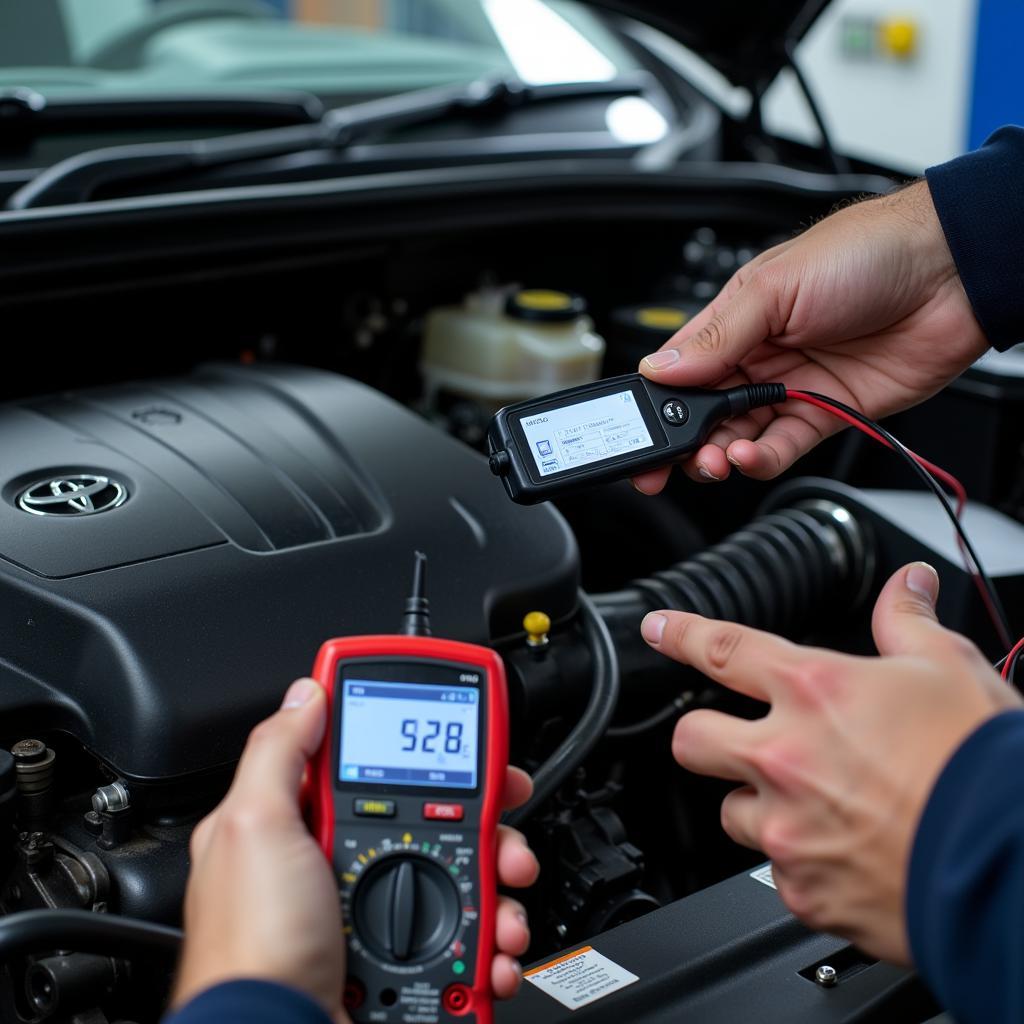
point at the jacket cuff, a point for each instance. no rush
(979, 198)
(966, 872)
(252, 1001)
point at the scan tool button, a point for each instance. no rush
(443, 812)
(674, 412)
(374, 808)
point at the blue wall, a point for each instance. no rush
(998, 94)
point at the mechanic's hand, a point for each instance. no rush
(262, 901)
(838, 773)
(866, 307)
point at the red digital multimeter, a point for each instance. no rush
(406, 793)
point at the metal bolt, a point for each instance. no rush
(111, 798)
(34, 764)
(28, 750)
(826, 975)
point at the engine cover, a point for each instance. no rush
(173, 553)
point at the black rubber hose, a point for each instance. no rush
(83, 931)
(782, 571)
(594, 721)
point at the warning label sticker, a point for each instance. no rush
(580, 977)
(764, 875)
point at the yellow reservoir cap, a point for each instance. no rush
(543, 300)
(545, 305)
(537, 625)
(661, 317)
(898, 37)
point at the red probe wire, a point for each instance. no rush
(948, 479)
(1011, 658)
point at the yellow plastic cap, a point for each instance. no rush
(899, 37)
(536, 625)
(666, 318)
(543, 300)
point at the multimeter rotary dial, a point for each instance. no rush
(406, 909)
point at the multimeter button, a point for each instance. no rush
(374, 808)
(443, 812)
(456, 998)
(674, 412)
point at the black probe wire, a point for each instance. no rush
(1001, 622)
(633, 729)
(594, 721)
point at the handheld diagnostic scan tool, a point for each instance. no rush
(608, 430)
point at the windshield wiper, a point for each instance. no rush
(26, 115)
(78, 178)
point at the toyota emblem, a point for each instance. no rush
(75, 494)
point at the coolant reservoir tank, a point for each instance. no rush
(503, 345)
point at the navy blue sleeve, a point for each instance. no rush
(255, 1002)
(979, 198)
(965, 890)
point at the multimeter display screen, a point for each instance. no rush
(409, 734)
(590, 431)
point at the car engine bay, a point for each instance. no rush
(270, 432)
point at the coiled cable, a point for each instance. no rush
(592, 724)
(84, 931)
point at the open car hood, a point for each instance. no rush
(745, 40)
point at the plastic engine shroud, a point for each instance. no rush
(268, 509)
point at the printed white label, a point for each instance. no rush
(764, 875)
(580, 977)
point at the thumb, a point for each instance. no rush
(904, 620)
(714, 343)
(275, 756)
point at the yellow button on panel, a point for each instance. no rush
(898, 36)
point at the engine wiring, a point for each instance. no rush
(930, 474)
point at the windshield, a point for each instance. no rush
(341, 50)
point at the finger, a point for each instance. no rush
(517, 864)
(781, 443)
(729, 290)
(512, 932)
(506, 975)
(741, 817)
(278, 748)
(709, 465)
(712, 461)
(904, 620)
(652, 482)
(744, 659)
(518, 788)
(712, 743)
(706, 351)
(201, 835)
